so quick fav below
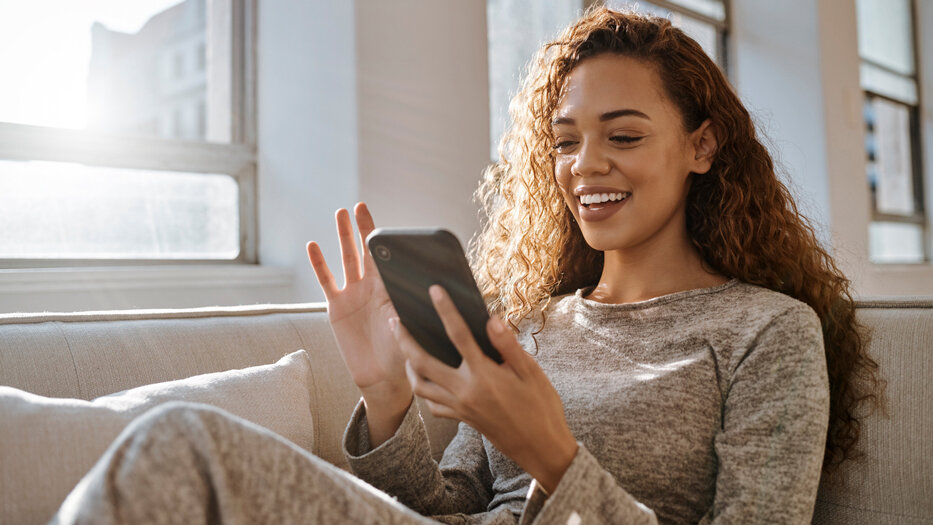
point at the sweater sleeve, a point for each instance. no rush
(403, 466)
(587, 493)
(775, 419)
(769, 449)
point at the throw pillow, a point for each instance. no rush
(48, 444)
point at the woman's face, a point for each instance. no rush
(622, 158)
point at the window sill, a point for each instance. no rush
(898, 280)
(40, 280)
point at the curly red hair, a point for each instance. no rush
(740, 216)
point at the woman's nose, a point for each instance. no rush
(590, 160)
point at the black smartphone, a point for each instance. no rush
(409, 262)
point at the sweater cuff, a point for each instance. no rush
(410, 439)
(587, 493)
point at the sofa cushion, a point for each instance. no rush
(48, 444)
(893, 481)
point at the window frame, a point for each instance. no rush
(237, 158)
(920, 217)
(916, 166)
(721, 26)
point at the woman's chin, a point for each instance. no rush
(602, 242)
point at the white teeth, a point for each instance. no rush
(597, 198)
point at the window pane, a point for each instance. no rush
(711, 8)
(895, 242)
(888, 84)
(890, 168)
(885, 35)
(58, 210)
(141, 67)
(510, 50)
(705, 34)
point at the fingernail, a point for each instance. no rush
(497, 326)
(435, 292)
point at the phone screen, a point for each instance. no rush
(409, 262)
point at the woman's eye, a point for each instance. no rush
(562, 145)
(625, 139)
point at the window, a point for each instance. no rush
(201, 56)
(179, 65)
(702, 20)
(510, 50)
(888, 74)
(126, 132)
(202, 118)
(178, 123)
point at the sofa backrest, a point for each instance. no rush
(86, 355)
(893, 481)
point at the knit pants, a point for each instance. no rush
(187, 463)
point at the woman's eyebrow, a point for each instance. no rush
(605, 116)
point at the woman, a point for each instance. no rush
(696, 352)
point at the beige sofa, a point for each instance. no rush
(87, 355)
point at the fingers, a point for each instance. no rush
(509, 348)
(439, 410)
(364, 220)
(428, 390)
(324, 277)
(365, 224)
(457, 329)
(349, 254)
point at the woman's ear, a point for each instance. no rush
(704, 144)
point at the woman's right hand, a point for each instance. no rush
(359, 314)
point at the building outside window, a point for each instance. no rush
(888, 75)
(510, 50)
(126, 133)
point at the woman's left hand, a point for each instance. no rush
(513, 403)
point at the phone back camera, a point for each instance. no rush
(383, 253)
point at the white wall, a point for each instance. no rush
(849, 208)
(423, 111)
(307, 131)
(775, 64)
(384, 102)
(393, 113)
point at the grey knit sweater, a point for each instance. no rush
(705, 406)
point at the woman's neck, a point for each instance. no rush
(647, 271)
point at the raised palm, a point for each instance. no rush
(359, 313)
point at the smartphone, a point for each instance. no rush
(409, 262)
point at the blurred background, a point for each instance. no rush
(166, 153)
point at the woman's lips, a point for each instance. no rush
(601, 211)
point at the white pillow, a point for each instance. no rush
(48, 444)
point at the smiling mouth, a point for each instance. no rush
(600, 199)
